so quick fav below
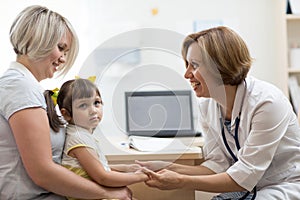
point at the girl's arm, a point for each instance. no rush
(32, 134)
(125, 167)
(90, 163)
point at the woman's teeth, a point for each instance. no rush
(194, 84)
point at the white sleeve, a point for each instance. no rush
(269, 123)
(22, 94)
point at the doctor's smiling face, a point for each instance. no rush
(215, 59)
(196, 71)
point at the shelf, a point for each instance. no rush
(293, 17)
(294, 71)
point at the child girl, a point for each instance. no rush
(80, 104)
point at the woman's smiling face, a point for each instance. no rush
(196, 71)
(45, 68)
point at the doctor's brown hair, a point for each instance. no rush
(223, 48)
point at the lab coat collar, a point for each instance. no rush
(239, 101)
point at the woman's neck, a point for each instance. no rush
(24, 60)
(227, 102)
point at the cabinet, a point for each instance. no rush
(120, 154)
(293, 61)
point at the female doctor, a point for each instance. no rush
(252, 136)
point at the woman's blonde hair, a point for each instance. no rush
(222, 49)
(37, 30)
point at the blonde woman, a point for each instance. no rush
(45, 43)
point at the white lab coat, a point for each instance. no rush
(269, 137)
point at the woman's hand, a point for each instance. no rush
(154, 165)
(164, 179)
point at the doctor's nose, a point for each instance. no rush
(188, 73)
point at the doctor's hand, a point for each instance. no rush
(154, 165)
(164, 179)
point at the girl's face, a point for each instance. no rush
(46, 67)
(87, 112)
(196, 72)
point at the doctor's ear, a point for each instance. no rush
(66, 114)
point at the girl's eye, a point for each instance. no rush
(82, 106)
(98, 103)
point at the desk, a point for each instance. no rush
(117, 153)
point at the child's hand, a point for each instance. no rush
(142, 173)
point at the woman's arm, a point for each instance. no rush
(90, 163)
(167, 180)
(32, 134)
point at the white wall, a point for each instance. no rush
(259, 22)
(100, 22)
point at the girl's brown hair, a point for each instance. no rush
(69, 91)
(75, 89)
(55, 121)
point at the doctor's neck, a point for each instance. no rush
(226, 101)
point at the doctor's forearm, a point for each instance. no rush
(190, 170)
(218, 183)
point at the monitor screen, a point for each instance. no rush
(159, 113)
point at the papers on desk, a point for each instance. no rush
(153, 144)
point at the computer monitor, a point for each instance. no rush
(159, 113)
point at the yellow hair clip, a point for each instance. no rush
(91, 78)
(54, 95)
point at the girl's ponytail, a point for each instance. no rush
(55, 121)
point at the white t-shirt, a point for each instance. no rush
(269, 137)
(80, 137)
(18, 90)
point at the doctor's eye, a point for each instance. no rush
(194, 65)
